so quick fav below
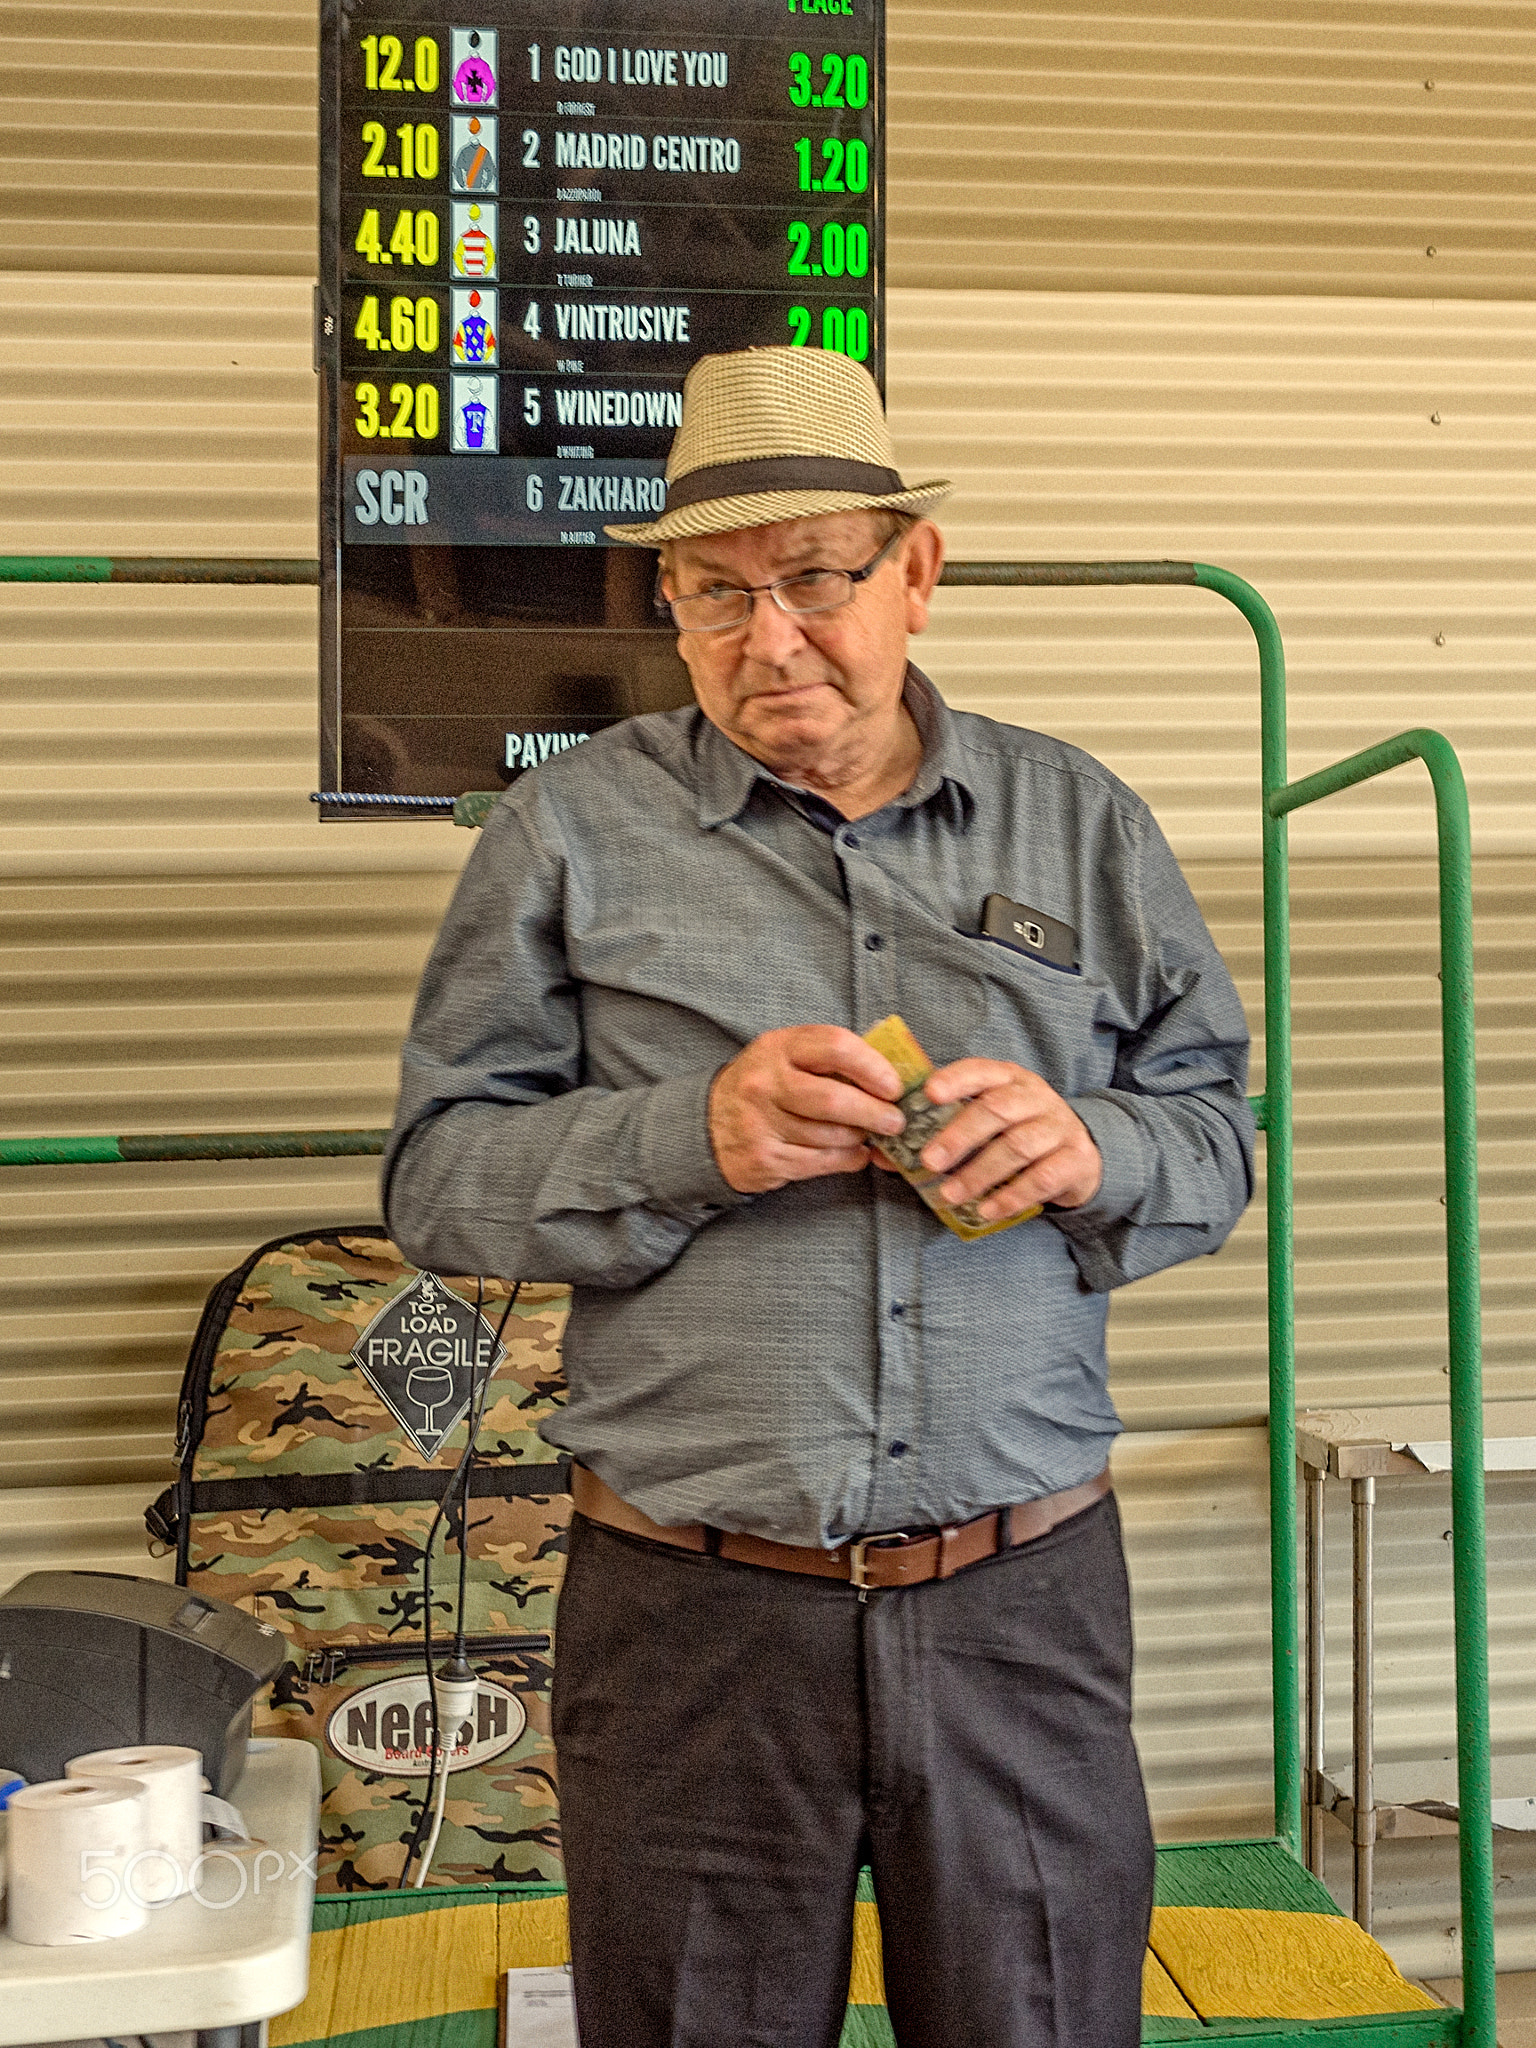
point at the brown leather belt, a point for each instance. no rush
(894, 1559)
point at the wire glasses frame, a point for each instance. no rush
(726, 605)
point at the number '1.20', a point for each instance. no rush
(844, 165)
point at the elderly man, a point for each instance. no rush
(845, 1580)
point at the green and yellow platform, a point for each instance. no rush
(1244, 1942)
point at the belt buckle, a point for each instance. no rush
(857, 1568)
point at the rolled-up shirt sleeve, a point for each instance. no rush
(1174, 1127)
(504, 1157)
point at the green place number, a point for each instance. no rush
(844, 165)
(844, 81)
(845, 331)
(840, 252)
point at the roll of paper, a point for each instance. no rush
(72, 1849)
(174, 1830)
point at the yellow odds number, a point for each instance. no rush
(413, 324)
(418, 150)
(414, 237)
(415, 417)
(382, 58)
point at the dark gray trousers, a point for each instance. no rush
(733, 1743)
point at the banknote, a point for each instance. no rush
(925, 1119)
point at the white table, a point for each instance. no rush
(1363, 1445)
(237, 1954)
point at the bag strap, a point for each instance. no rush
(168, 1516)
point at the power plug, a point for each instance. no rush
(457, 1684)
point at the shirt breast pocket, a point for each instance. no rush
(1046, 1018)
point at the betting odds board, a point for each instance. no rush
(535, 216)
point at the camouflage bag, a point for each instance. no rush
(321, 1418)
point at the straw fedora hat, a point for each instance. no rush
(777, 433)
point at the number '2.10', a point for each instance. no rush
(418, 152)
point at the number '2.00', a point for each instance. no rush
(844, 332)
(415, 412)
(844, 251)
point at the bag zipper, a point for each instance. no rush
(324, 1667)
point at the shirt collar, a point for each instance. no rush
(727, 775)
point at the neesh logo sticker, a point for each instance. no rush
(387, 1727)
(422, 1352)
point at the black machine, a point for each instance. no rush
(96, 1660)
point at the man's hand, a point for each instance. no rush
(799, 1103)
(1040, 1150)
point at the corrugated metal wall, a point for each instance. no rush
(1087, 211)
(1309, 146)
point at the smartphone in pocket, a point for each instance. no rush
(1024, 930)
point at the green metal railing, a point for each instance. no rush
(156, 569)
(1274, 1114)
(136, 1149)
(1464, 1308)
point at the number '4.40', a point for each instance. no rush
(413, 239)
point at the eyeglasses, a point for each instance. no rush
(725, 605)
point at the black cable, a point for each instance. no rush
(466, 1465)
(459, 1476)
(413, 1846)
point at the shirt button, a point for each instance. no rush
(898, 1449)
(873, 941)
(898, 1309)
(850, 839)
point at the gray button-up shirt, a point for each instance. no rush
(825, 1360)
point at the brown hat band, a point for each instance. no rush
(782, 473)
